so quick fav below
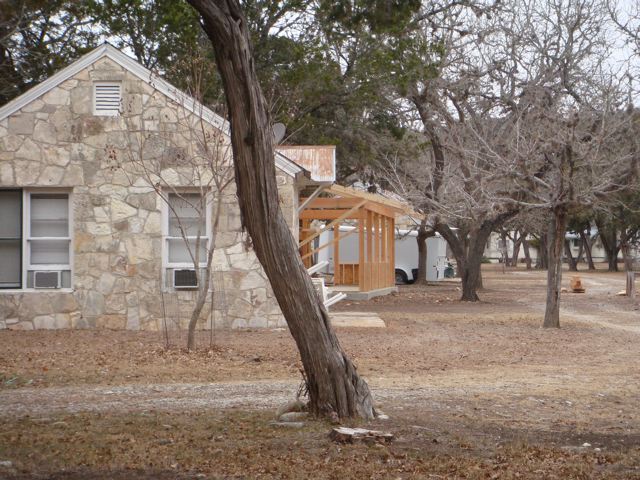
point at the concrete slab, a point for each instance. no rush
(356, 319)
(354, 294)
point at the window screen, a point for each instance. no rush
(186, 211)
(49, 229)
(10, 238)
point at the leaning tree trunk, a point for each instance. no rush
(625, 248)
(612, 259)
(332, 380)
(555, 238)
(527, 254)
(458, 242)
(609, 239)
(627, 257)
(504, 249)
(203, 283)
(471, 279)
(423, 234)
(587, 250)
(573, 264)
(468, 252)
(580, 253)
(517, 243)
(468, 248)
(543, 252)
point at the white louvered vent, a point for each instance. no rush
(107, 99)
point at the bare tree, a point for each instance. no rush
(563, 126)
(334, 386)
(441, 81)
(186, 160)
(626, 17)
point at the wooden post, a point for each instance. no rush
(361, 252)
(380, 251)
(304, 233)
(392, 252)
(336, 254)
(385, 254)
(377, 251)
(369, 258)
(374, 251)
(342, 215)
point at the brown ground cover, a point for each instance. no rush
(473, 391)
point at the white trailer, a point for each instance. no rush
(406, 253)
(407, 257)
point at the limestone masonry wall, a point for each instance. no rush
(55, 142)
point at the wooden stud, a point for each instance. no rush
(392, 252)
(336, 254)
(328, 214)
(330, 225)
(316, 203)
(385, 251)
(369, 256)
(376, 251)
(361, 253)
(324, 245)
(304, 249)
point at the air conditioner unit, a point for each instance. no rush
(185, 279)
(42, 279)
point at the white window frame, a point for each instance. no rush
(27, 238)
(106, 113)
(21, 220)
(166, 265)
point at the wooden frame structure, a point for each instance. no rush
(374, 218)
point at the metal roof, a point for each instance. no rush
(320, 160)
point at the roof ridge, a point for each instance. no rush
(146, 75)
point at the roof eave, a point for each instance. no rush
(146, 75)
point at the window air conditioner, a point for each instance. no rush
(185, 279)
(42, 279)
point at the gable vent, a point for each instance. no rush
(107, 99)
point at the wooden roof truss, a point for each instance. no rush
(373, 219)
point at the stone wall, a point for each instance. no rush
(56, 141)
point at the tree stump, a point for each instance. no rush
(576, 285)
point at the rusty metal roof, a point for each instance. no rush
(320, 160)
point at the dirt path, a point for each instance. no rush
(131, 398)
(469, 388)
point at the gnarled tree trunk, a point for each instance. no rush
(332, 380)
(573, 264)
(525, 248)
(504, 248)
(517, 243)
(555, 237)
(543, 252)
(626, 235)
(468, 248)
(423, 234)
(586, 242)
(609, 239)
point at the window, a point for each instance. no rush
(107, 99)
(35, 240)
(10, 239)
(187, 217)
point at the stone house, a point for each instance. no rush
(85, 243)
